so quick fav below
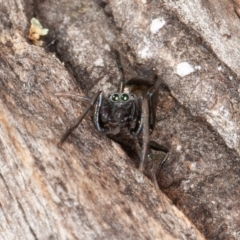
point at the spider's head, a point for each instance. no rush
(119, 109)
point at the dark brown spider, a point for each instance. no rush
(121, 109)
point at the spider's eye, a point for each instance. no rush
(124, 97)
(115, 97)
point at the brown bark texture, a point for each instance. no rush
(91, 187)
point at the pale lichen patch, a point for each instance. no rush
(184, 69)
(156, 25)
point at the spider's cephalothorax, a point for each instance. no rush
(121, 109)
(117, 110)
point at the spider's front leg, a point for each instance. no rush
(145, 134)
(95, 99)
(147, 153)
(145, 142)
(148, 118)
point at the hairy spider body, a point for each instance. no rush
(122, 109)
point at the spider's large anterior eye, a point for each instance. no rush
(124, 97)
(115, 97)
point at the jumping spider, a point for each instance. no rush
(121, 109)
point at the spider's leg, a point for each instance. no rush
(157, 147)
(145, 133)
(147, 122)
(153, 99)
(138, 81)
(96, 116)
(154, 179)
(152, 95)
(120, 68)
(93, 101)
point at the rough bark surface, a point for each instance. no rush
(91, 188)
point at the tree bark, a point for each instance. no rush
(91, 187)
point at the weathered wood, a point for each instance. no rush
(89, 189)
